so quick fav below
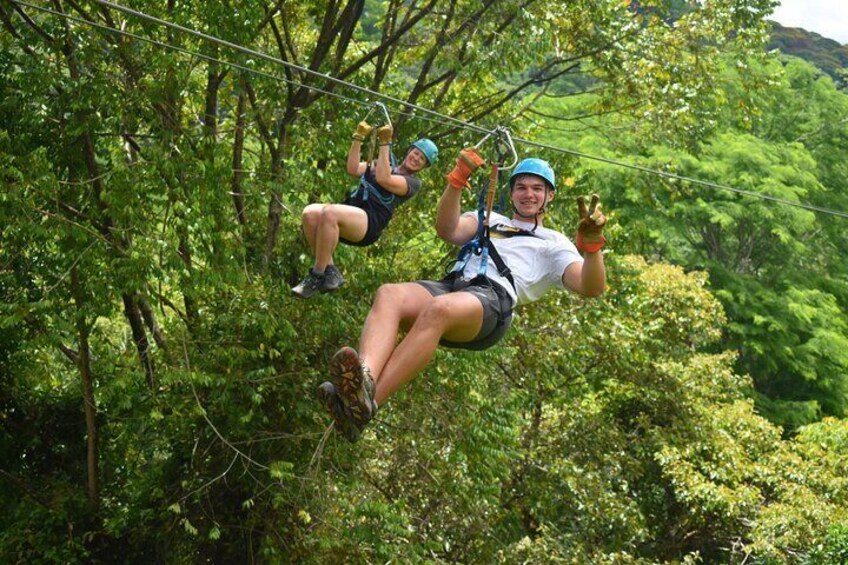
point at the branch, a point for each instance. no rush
(383, 47)
(264, 131)
(72, 355)
(33, 494)
(514, 92)
(7, 23)
(584, 116)
(44, 35)
(281, 47)
(164, 300)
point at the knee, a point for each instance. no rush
(329, 215)
(436, 313)
(311, 214)
(388, 294)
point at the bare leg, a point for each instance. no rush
(311, 217)
(337, 220)
(456, 316)
(395, 306)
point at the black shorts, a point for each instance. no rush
(378, 219)
(497, 308)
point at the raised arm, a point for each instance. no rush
(588, 278)
(355, 166)
(450, 225)
(396, 184)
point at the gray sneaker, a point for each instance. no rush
(309, 285)
(332, 403)
(333, 279)
(354, 384)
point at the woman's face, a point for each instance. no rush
(415, 160)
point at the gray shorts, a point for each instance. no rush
(497, 308)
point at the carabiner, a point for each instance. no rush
(382, 106)
(505, 139)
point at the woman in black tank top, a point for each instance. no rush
(361, 218)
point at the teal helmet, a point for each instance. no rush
(534, 166)
(428, 148)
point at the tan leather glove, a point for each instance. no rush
(590, 227)
(363, 130)
(384, 134)
(469, 160)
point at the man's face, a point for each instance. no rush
(528, 195)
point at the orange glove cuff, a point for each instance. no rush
(467, 162)
(593, 246)
(457, 179)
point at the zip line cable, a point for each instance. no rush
(442, 118)
(709, 184)
(455, 121)
(265, 56)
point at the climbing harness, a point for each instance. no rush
(481, 244)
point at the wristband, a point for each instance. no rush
(592, 247)
(456, 182)
(356, 137)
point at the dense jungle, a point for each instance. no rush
(158, 378)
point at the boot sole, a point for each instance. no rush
(346, 372)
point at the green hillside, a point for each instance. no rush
(826, 54)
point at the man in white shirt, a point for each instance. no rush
(472, 307)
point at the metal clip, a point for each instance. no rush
(503, 140)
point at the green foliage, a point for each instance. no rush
(827, 54)
(777, 269)
(157, 378)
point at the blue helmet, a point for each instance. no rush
(428, 148)
(534, 166)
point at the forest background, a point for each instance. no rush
(157, 379)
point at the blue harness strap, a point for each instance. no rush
(365, 189)
(481, 245)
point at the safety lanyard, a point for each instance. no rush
(482, 244)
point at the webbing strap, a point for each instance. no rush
(365, 189)
(482, 245)
(485, 248)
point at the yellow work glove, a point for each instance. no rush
(590, 227)
(363, 130)
(467, 162)
(384, 134)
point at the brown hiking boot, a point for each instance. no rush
(354, 384)
(332, 403)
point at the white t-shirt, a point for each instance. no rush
(537, 259)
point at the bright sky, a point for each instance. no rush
(828, 18)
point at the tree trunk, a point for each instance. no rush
(150, 321)
(210, 112)
(83, 360)
(275, 206)
(238, 149)
(140, 338)
(106, 226)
